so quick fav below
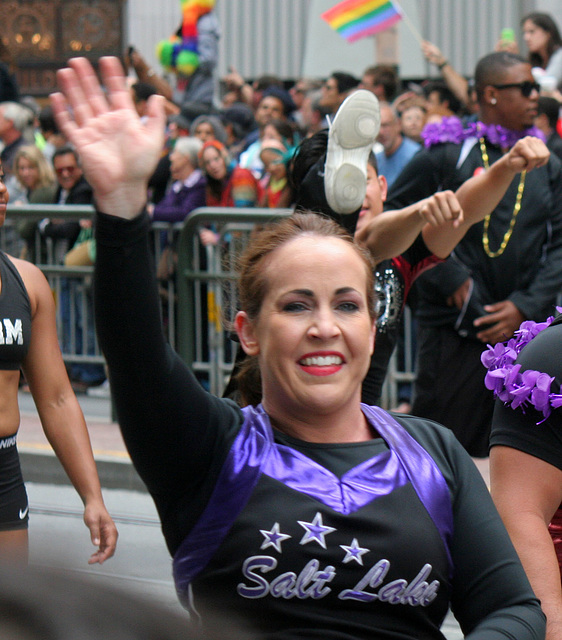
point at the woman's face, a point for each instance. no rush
(313, 336)
(204, 132)
(4, 197)
(28, 173)
(213, 163)
(535, 37)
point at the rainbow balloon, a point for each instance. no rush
(180, 54)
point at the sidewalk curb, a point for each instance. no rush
(44, 467)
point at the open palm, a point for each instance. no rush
(117, 150)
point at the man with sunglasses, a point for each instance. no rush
(71, 188)
(507, 268)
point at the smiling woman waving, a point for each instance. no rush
(309, 515)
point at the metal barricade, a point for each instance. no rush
(198, 300)
(71, 286)
(401, 370)
(207, 288)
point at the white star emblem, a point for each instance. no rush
(315, 531)
(354, 552)
(273, 538)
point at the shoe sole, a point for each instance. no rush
(350, 140)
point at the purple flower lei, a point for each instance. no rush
(451, 130)
(508, 384)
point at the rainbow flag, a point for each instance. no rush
(355, 19)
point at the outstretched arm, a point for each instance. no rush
(480, 195)
(445, 217)
(393, 232)
(172, 427)
(118, 152)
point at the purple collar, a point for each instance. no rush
(452, 130)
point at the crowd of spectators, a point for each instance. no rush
(235, 149)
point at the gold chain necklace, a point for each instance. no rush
(516, 209)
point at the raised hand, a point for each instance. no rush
(233, 80)
(507, 45)
(442, 208)
(432, 53)
(118, 151)
(527, 154)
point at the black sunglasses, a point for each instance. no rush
(526, 87)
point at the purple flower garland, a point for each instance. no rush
(451, 129)
(508, 384)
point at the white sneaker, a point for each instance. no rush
(352, 135)
(101, 391)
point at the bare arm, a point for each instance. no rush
(527, 491)
(60, 412)
(392, 232)
(148, 75)
(456, 83)
(445, 217)
(482, 193)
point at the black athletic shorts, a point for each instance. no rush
(14, 507)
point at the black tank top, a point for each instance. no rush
(15, 316)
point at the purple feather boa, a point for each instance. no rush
(451, 129)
